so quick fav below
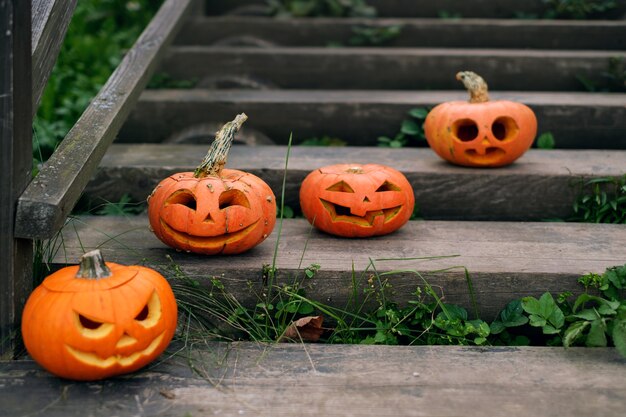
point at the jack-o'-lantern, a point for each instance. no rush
(97, 319)
(354, 200)
(213, 210)
(480, 133)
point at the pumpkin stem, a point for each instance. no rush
(92, 266)
(214, 161)
(475, 85)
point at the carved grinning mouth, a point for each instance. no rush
(210, 241)
(339, 213)
(94, 360)
(491, 155)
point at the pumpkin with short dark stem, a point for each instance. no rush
(213, 210)
(97, 319)
(480, 133)
(354, 200)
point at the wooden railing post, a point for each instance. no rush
(16, 255)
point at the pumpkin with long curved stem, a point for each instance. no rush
(213, 210)
(354, 200)
(480, 133)
(99, 319)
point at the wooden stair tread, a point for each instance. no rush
(423, 8)
(443, 191)
(577, 120)
(423, 32)
(310, 380)
(506, 260)
(391, 68)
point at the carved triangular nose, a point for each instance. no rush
(366, 200)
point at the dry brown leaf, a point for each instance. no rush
(307, 329)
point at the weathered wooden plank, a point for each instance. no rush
(312, 380)
(577, 120)
(50, 21)
(432, 33)
(16, 255)
(419, 8)
(505, 260)
(48, 200)
(442, 191)
(392, 68)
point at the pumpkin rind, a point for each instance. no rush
(354, 200)
(89, 329)
(207, 228)
(213, 210)
(480, 133)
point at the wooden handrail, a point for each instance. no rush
(50, 197)
(50, 19)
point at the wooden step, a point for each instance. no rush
(442, 191)
(392, 68)
(330, 380)
(505, 260)
(577, 120)
(432, 33)
(418, 8)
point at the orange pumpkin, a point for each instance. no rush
(354, 200)
(480, 133)
(98, 320)
(213, 210)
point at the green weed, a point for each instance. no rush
(320, 8)
(577, 9)
(546, 141)
(411, 129)
(98, 36)
(601, 200)
(374, 35)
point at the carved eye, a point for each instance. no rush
(504, 128)
(88, 323)
(151, 313)
(387, 186)
(184, 198)
(340, 187)
(233, 198)
(465, 130)
(91, 328)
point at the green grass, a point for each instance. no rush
(100, 33)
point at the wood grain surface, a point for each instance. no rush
(442, 191)
(415, 32)
(51, 196)
(393, 68)
(336, 380)
(577, 120)
(505, 260)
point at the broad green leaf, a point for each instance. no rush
(497, 327)
(537, 321)
(419, 113)
(305, 308)
(596, 336)
(455, 312)
(557, 318)
(409, 127)
(587, 314)
(548, 329)
(531, 305)
(512, 315)
(619, 335)
(573, 332)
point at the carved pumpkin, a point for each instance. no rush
(97, 320)
(354, 200)
(480, 133)
(213, 210)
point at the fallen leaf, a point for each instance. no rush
(307, 329)
(167, 394)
